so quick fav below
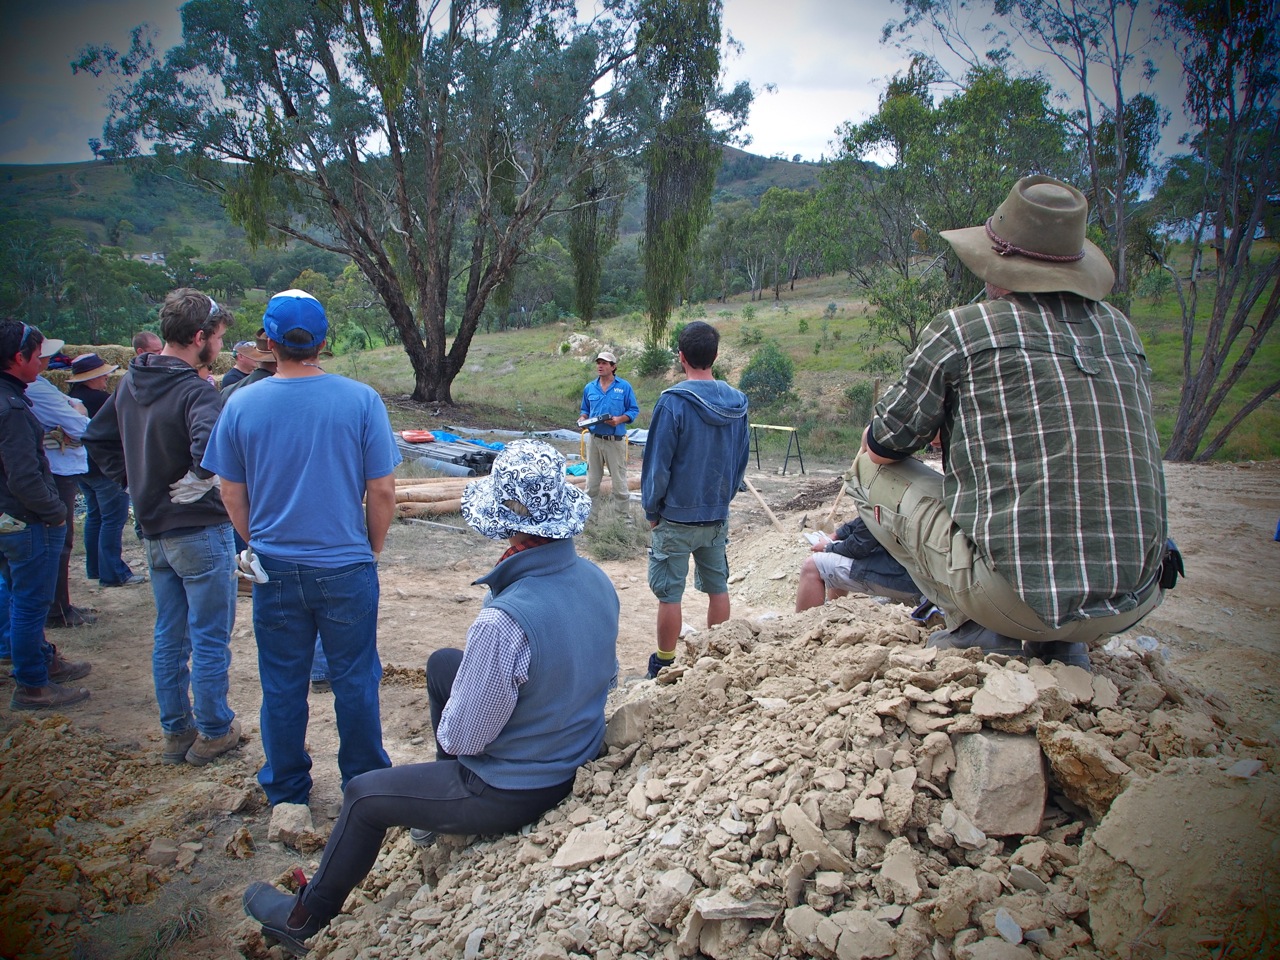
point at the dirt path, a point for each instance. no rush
(84, 797)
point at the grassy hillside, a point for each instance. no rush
(541, 385)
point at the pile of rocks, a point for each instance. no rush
(820, 785)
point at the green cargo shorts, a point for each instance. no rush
(671, 545)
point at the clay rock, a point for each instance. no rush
(1183, 857)
(897, 882)
(808, 838)
(240, 844)
(291, 825)
(862, 936)
(1004, 694)
(162, 852)
(1090, 775)
(993, 948)
(959, 891)
(583, 847)
(1179, 733)
(628, 723)
(670, 889)
(999, 783)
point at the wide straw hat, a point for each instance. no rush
(527, 493)
(89, 366)
(1035, 243)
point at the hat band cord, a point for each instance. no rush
(1006, 249)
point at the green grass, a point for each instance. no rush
(521, 380)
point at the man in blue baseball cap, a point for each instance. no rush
(305, 460)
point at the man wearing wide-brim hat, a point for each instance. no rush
(1046, 531)
(247, 356)
(515, 714)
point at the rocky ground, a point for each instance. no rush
(812, 785)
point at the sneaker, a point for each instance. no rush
(422, 838)
(132, 580)
(205, 749)
(176, 745)
(51, 697)
(1060, 651)
(62, 670)
(973, 634)
(275, 910)
(656, 666)
(70, 617)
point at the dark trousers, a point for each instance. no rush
(67, 491)
(442, 796)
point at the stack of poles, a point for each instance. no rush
(434, 496)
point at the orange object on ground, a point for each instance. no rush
(418, 436)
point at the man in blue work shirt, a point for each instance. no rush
(611, 397)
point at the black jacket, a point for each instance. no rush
(27, 490)
(151, 431)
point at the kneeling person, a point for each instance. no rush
(852, 561)
(515, 713)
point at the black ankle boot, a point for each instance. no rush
(282, 915)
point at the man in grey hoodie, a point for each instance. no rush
(694, 462)
(150, 437)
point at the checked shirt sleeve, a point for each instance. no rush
(494, 665)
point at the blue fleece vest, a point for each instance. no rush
(568, 609)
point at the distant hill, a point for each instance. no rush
(160, 212)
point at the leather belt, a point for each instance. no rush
(609, 436)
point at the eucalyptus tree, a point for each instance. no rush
(597, 202)
(1219, 199)
(426, 142)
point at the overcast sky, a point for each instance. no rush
(824, 57)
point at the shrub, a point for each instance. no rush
(768, 376)
(859, 394)
(803, 325)
(750, 334)
(654, 361)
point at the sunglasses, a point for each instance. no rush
(27, 330)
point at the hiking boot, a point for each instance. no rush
(6, 669)
(206, 749)
(973, 634)
(51, 697)
(176, 745)
(656, 666)
(130, 581)
(1060, 651)
(244, 588)
(282, 915)
(70, 617)
(321, 685)
(422, 838)
(62, 670)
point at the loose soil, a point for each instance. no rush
(84, 797)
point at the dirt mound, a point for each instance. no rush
(794, 791)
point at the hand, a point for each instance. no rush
(248, 567)
(191, 488)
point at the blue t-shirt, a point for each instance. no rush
(304, 448)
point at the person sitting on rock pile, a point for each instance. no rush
(515, 713)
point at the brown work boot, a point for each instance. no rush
(176, 745)
(50, 697)
(6, 670)
(206, 749)
(62, 670)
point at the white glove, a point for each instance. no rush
(191, 488)
(248, 566)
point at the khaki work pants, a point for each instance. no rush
(611, 454)
(901, 503)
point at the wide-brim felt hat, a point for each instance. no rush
(526, 492)
(90, 366)
(251, 351)
(1035, 243)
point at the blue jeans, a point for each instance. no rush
(193, 580)
(341, 605)
(28, 573)
(107, 511)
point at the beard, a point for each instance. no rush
(207, 353)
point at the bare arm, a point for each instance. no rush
(379, 509)
(235, 497)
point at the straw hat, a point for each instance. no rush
(89, 366)
(526, 492)
(1035, 243)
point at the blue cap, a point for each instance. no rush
(292, 310)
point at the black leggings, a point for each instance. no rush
(442, 796)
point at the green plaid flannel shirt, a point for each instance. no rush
(1052, 461)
